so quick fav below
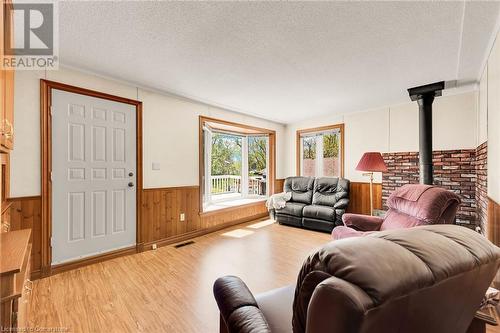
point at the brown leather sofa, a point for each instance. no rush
(316, 203)
(425, 279)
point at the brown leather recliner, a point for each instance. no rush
(425, 279)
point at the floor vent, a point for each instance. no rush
(183, 244)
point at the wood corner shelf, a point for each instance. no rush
(13, 246)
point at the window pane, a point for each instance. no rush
(226, 164)
(257, 165)
(309, 156)
(331, 152)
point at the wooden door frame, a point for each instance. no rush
(46, 88)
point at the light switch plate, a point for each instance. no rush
(183, 217)
(156, 166)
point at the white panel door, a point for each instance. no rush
(93, 176)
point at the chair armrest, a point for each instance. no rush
(341, 204)
(238, 307)
(362, 222)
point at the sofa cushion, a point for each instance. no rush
(301, 188)
(276, 305)
(319, 212)
(328, 190)
(341, 232)
(317, 224)
(295, 221)
(292, 208)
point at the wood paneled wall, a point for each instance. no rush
(278, 185)
(493, 225)
(161, 211)
(162, 207)
(494, 221)
(161, 223)
(230, 216)
(359, 202)
(26, 213)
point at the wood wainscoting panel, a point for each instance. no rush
(160, 223)
(359, 201)
(493, 221)
(162, 208)
(493, 228)
(278, 185)
(161, 211)
(26, 212)
(233, 215)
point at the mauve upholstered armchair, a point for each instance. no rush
(409, 206)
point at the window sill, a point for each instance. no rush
(231, 204)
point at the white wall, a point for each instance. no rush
(25, 159)
(482, 116)
(170, 130)
(395, 129)
(362, 134)
(171, 138)
(493, 105)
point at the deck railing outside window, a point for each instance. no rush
(224, 184)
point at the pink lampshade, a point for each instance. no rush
(372, 162)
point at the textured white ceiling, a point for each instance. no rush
(283, 61)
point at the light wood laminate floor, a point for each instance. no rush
(170, 289)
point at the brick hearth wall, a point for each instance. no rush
(453, 169)
(481, 185)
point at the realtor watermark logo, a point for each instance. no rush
(31, 36)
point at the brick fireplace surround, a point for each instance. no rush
(462, 171)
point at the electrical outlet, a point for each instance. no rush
(154, 246)
(156, 166)
(183, 217)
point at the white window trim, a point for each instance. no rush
(319, 155)
(318, 172)
(244, 167)
(208, 198)
(208, 163)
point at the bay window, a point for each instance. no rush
(237, 166)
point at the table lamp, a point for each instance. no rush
(371, 162)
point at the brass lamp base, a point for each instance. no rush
(371, 190)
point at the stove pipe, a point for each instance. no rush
(424, 95)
